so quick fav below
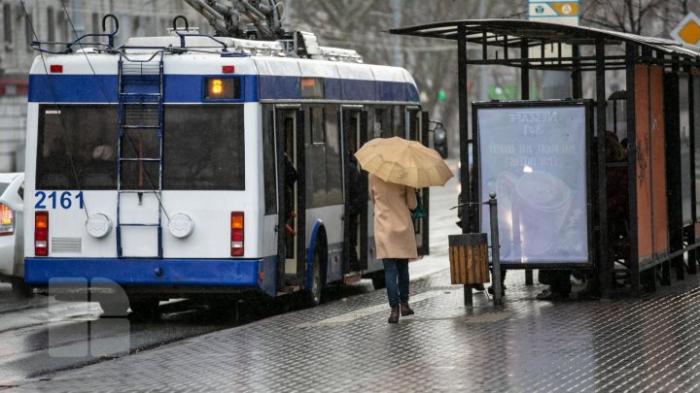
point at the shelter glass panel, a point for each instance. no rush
(686, 177)
(534, 158)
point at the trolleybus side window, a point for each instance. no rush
(269, 161)
(316, 176)
(334, 178)
(383, 122)
(317, 125)
(399, 121)
(76, 147)
(203, 148)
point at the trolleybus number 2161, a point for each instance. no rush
(54, 200)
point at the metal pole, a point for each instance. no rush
(605, 266)
(692, 255)
(495, 251)
(463, 138)
(525, 95)
(631, 54)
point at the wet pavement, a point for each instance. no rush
(635, 345)
(645, 344)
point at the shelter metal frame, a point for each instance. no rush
(509, 42)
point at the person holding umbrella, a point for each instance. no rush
(397, 168)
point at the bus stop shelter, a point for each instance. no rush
(655, 114)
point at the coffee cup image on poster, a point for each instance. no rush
(534, 159)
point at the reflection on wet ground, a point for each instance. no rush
(38, 339)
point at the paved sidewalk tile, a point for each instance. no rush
(634, 345)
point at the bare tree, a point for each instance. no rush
(644, 17)
(362, 25)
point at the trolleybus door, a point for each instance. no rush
(355, 222)
(289, 137)
(418, 123)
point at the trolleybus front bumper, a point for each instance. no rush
(145, 272)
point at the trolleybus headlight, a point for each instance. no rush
(237, 228)
(41, 233)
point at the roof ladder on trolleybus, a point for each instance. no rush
(140, 152)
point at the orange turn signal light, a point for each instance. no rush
(237, 220)
(41, 220)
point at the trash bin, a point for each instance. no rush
(469, 259)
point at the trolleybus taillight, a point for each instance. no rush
(7, 220)
(41, 234)
(237, 234)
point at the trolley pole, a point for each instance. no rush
(495, 251)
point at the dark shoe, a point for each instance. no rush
(406, 310)
(394, 316)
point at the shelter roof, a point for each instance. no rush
(514, 33)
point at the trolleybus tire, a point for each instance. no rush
(378, 280)
(314, 293)
(21, 289)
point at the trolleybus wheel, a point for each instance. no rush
(145, 307)
(314, 293)
(20, 288)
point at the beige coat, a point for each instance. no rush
(393, 228)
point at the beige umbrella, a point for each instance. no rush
(400, 161)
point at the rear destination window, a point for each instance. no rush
(203, 149)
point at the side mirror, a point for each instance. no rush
(440, 140)
(12, 197)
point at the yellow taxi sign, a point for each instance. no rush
(688, 31)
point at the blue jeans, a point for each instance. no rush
(396, 278)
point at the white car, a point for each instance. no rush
(11, 231)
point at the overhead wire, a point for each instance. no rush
(151, 181)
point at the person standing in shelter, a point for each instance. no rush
(395, 239)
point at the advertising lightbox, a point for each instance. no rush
(533, 156)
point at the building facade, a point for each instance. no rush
(50, 20)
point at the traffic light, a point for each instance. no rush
(441, 95)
